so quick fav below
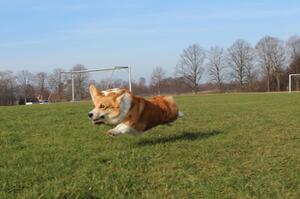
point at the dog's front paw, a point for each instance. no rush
(110, 132)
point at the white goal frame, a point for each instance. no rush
(290, 81)
(128, 68)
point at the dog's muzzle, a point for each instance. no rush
(98, 120)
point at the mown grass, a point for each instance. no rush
(226, 146)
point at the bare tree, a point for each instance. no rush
(57, 83)
(141, 87)
(240, 57)
(24, 79)
(41, 84)
(119, 83)
(81, 81)
(216, 65)
(8, 88)
(279, 60)
(271, 58)
(293, 44)
(264, 59)
(157, 76)
(251, 75)
(142, 82)
(190, 66)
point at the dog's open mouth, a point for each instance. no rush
(98, 121)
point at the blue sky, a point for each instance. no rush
(40, 35)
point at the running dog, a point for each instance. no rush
(129, 113)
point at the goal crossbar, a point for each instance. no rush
(290, 81)
(98, 70)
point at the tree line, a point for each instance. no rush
(241, 67)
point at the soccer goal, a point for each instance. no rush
(290, 80)
(109, 79)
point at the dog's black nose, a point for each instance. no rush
(90, 115)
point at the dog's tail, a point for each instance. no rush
(175, 110)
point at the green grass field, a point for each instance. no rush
(226, 146)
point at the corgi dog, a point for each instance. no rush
(130, 114)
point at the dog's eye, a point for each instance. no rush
(101, 106)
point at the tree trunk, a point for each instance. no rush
(195, 90)
(158, 89)
(241, 85)
(219, 85)
(278, 81)
(268, 83)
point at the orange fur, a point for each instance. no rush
(146, 114)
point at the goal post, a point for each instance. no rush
(290, 81)
(128, 68)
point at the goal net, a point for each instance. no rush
(76, 82)
(294, 82)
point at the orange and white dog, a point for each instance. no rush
(131, 114)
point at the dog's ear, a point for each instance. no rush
(94, 92)
(124, 97)
(120, 96)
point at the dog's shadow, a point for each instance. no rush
(189, 136)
